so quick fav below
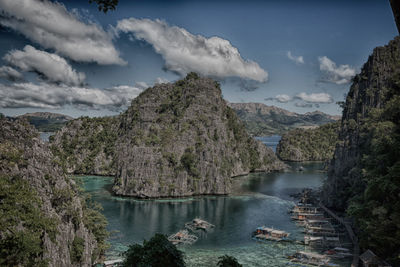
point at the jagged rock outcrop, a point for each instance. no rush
(263, 120)
(317, 144)
(87, 145)
(42, 217)
(182, 139)
(363, 177)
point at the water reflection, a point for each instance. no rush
(262, 199)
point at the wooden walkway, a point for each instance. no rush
(353, 237)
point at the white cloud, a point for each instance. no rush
(304, 105)
(335, 74)
(44, 95)
(297, 59)
(161, 80)
(142, 85)
(50, 66)
(52, 26)
(280, 98)
(10, 74)
(308, 100)
(320, 98)
(184, 52)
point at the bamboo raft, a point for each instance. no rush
(198, 224)
(182, 238)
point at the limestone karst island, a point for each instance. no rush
(199, 133)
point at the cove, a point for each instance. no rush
(259, 199)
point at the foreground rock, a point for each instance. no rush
(42, 218)
(317, 144)
(182, 139)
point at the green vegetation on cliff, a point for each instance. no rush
(364, 176)
(182, 139)
(86, 145)
(43, 218)
(317, 144)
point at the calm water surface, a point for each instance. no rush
(259, 199)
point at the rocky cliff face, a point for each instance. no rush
(363, 178)
(370, 91)
(87, 145)
(182, 139)
(317, 144)
(263, 120)
(42, 218)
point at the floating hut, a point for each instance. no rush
(369, 259)
(182, 237)
(199, 224)
(266, 233)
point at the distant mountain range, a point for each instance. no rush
(259, 119)
(263, 120)
(46, 121)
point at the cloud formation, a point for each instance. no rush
(161, 80)
(10, 74)
(341, 74)
(52, 26)
(44, 95)
(304, 105)
(49, 66)
(320, 98)
(184, 52)
(307, 100)
(297, 59)
(280, 98)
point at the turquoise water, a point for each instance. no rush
(259, 199)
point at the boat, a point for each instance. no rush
(321, 241)
(182, 237)
(265, 233)
(305, 209)
(309, 258)
(198, 224)
(338, 252)
(308, 216)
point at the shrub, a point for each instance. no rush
(157, 252)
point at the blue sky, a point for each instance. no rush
(52, 67)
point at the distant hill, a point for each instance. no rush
(46, 121)
(316, 144)
(263, 120)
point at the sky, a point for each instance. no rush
(67, 57)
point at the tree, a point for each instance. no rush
(228, 261)
(157, 252)
(105, 5)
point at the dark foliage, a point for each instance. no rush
(228, 261)
(157, 252)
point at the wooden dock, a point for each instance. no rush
(353, 237)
